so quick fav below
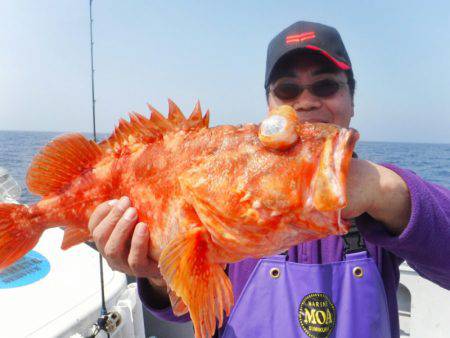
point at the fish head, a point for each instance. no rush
(252, 192)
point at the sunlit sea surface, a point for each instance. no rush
(430, 161)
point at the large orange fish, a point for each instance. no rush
(210, 196)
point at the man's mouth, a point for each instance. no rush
(314, 120)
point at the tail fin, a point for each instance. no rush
(18, 234)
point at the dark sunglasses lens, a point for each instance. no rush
(286, 91)
(325, 88)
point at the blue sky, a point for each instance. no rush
(147, 51)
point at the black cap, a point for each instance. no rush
(308, 36)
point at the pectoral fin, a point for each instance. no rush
(202, 284)
(179, 308)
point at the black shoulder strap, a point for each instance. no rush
(353, 241)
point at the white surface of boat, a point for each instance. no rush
(66, 301)
(424, 307)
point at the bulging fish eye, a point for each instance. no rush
(278, 130)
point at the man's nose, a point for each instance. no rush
(306, 102)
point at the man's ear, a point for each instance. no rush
(270, 103)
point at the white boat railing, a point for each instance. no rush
(10, 190)
(424, 307)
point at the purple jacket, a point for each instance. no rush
(424, 244)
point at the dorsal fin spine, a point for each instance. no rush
(175, 113)
(159, 120)
(148, 130)
(196, 113)
(206, 119)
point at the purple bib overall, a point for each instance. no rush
(284, 299)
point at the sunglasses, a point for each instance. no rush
(289, 89)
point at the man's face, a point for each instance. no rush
(305, 70)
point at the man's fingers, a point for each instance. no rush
(102, 232)
(116, 248)
(113, 227)
(100, 213)
(138, 259)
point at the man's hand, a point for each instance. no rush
(380, 192)
(123, 243)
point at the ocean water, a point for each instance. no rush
(430, 161)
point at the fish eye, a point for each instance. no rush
(277, 132)
(273, 125)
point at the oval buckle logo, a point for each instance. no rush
(317, 315)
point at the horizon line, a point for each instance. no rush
(109, 133)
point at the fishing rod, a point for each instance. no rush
(92, 71)
(103, 322)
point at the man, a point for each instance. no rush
(344, 287)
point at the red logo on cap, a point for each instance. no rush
(300, 37)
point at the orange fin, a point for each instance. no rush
(179, 308)
(196, 117)
(18, 233)
(74, 236)
(202, 284)
(175, 114)
(62, 160)
(146, 130)
(206, 120)
(138, 130)
(160, 122)
(177, 121)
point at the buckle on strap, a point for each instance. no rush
(353, 241)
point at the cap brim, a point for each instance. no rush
(339, 64)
